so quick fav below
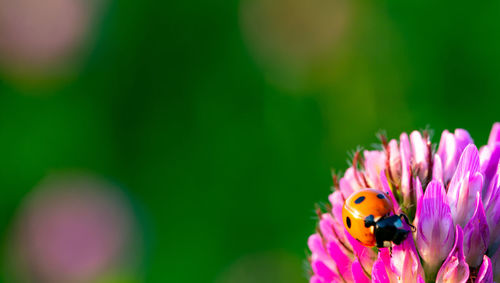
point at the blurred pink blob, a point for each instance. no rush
(73, 228)
(40, 34)
(289, 37)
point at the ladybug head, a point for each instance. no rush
(389, 229)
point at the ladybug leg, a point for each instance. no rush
(380, 243)
(413, 228)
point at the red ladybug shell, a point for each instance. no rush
(360, 205)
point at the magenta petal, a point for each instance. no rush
(332, 231)
(454, 268)
(450, 150)
(437, 169)
(326, 224)
(419, 195)
(495, 264)
(446, 152)
(463, 139)
(468, 163)
(379, 273)
(365, 255)
(464, 185)
(315, 243)
(435, 233)
(342, 261)
(394, 161)
(315, 279)
(476, 235)
(492, 211)
(489, 193)
(420, 154)
(405, 262)
(337, 201)
(489, 157)
(418, 189)
(406, 189)
(385, 256)
(375, 162)
(387, 189)
(319, 253)
(485, 273)
(494, 134)
(358, 273)
(324, 272)
(348, 184)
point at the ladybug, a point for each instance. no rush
(367, 216)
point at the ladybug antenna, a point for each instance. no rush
(413, 228)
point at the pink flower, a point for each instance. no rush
(451, 196)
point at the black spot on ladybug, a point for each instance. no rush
(348, 221)
(358, 240)
(359, 200)
(380, 196)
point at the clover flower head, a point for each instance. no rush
(451, 196)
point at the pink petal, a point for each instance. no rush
(324, 272)
(463, 139)
(485, 273)
(365, 255)
(406, 189)
(468, 163)
(375, 162)
(494, 134)
(435, 233)
(446, 152)
(418, 188)
(489, 193)
(319, 253)
(420, 154)
(489, 157)
(492, 210)
(476, 235)
(464, 185)
(379, 273)
(348, 183)
(386, 189)
(495, 264)
(342, 261)
(332, 231)
(385, 256)
(405, 262)
(419, 194)
(358, 273)
(450, 150)
(454, 268)
(394, 161)
(437, 169)
(337, 202)
(316, 279)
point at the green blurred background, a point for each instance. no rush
(222, 120)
